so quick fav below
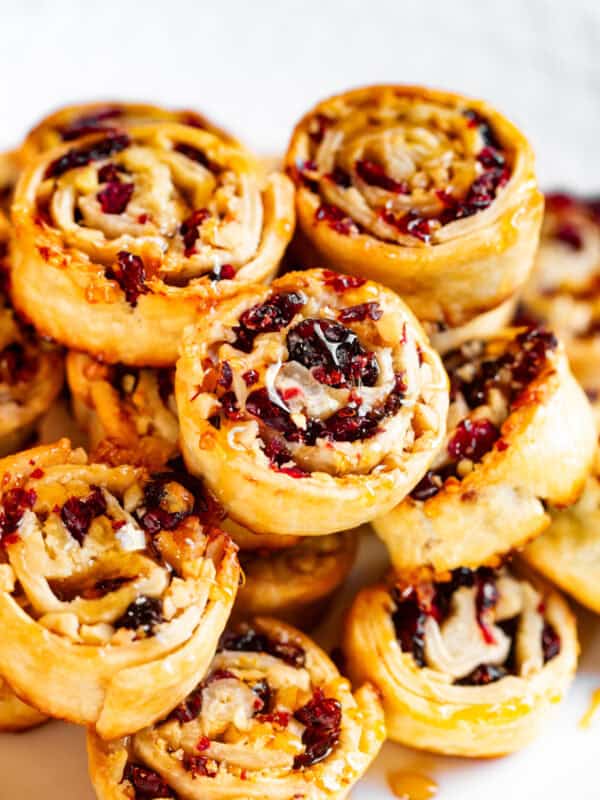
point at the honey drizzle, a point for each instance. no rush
(408, 785)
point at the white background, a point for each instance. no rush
(255, 67)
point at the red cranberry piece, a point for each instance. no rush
(279, 718)
(199, 766)
(145, 613)
(409, 624)
(250, 641)
(226, 272)
(483, 675)
(189, 229)
(473, 439)
(130, 274)
(14, 504)
(156, 515)
(318, 127)
(361, 312)
(486, 598)
(550, 642)
(78, 513)
(281, 459)
(342, 283)
(427, 487)
(340, 177)
(336, 218)
(569, 234)
(559, 201)
(110, 173)
(477, 120)
(250, 377)
(82, 156)
(225, 378)
(535, 344)
(274, 314)
(115, 197)
(189, 709)
(147, 784)
(374, 174)
(491, 157)
(263, 693)
(229, 406)
(411, 223)
(322, 717)
(91, 123)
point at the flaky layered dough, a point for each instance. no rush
(128, 413)
(484, 326)
(311, 406)
(72, 122)
(563, 291)
(515, 410)
(296, 583)
(568, 552)
(15, 715)
(430, 193)
(470, 671)
(121, 237)
(273, 718)
(113, 594)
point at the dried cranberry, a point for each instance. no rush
(477, 120)
(281, 460)
(189, 708)
(130, 274)
(250, 377)
(115, 197)
(322, 717)
(189, 230)
(225, 378)
(428, 486)
(374, 174)
(147, 784)
(336, 218)
(491, 157)
(144, 614)
(342, 283)
(78, 513)
(194, 154)
(226, 272)
(411, 223)
(340, 177)
(550, 642)
(14, 504)
(486, 597)
(409, 624)
(199, 766)
(473, 439)
(248, 640)
(274, 314)
(156, 515)
(229, 406)
(263, 693)
(91, 123)
(109, 173)
(318, 127)
(361, 312)
(483, 675)
(569, 234)
(535, 344)
(82, 156)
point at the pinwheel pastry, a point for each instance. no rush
(296, 583)
(445, 338)
(467, 667)
(15, 715)
(427, 192)
(311, 406)
(273, 718)
(563, 291)
(520, 436)
(568, 552)
(120, 237)
(113, 593)
(72, 122)
(128, 413)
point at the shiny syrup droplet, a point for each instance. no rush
(409, 785)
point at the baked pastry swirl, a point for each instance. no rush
(113, 594)
(15, 715)
(568, 552)
(468, 667)
(430, 193)
(129, 413)
(120, 237)
(486, 492)
(296, 583)
(273, 718)
(563, 291)
(311, 406)
(69, 123)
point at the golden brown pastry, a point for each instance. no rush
(72, 122)
(273, 718)
(568, 552)
(444, 338)
(311, 406)
(296, 583)
(16, 716)
(469, 667)
(520, 436)
(430, 193)
(120, 237)
(113, 594)
(564, 289)
(128, 413)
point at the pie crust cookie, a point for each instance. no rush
(113, 593)
(120, 237)
(273, 718)
(469, 667)
(310, 406)
(430, 193)
(520, 436)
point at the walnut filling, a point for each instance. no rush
(155, 209)
(477, 628)
(257, 709)
(486, 381)
(107, 566)
(404, 169)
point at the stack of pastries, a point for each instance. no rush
(264, 361)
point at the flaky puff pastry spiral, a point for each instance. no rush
(69, 123)
(120, 237)
(564, 289)
(113, 593)
(129, 413)
(273, 718)
(430, 193)
(311, 406)
(469, 667)
(520, 436)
